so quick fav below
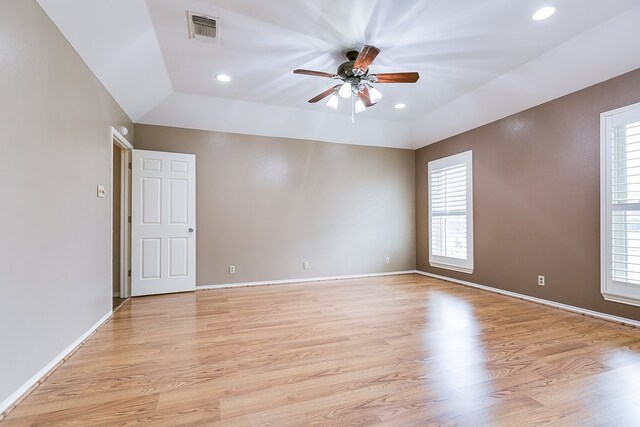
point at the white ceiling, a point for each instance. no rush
(479, 61)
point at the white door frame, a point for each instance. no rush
(125, 210)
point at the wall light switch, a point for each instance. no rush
(102, 192)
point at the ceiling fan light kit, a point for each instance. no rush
(345, 90)
(357, 83)
(374, 95)
(333, 102)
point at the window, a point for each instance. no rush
(451, 213)
(620, 205)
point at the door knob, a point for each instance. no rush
(191, 230)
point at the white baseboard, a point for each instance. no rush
(16, 396)
(554, 304)
(305, 280)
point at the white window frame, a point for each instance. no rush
(612, 290)
(455, 264)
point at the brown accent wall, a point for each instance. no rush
(266, 205)
(536, 197)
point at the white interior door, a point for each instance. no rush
(163, 220)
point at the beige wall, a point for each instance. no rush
(55, 234)
(266, 205)
(536, 197)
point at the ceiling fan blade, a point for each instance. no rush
(366, 57)
(364, 96)
(313, 73)
(397, 77)
(323, 95)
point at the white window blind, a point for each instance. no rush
(621, 205)
(451, 213)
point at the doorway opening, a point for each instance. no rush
(120, 214)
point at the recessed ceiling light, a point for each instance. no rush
(401, 106)
(223, 78)
(544, 13)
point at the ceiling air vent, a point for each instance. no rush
(203, 27)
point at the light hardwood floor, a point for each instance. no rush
(401, 351)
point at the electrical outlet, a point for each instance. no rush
(232, 269)
(387, 260)
(305, 265)
(540, 280)
(101, 191)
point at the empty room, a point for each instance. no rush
(320, 213)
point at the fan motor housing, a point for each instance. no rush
(345, 70)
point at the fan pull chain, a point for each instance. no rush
(353, 109)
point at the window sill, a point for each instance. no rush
(621, 299)
(451, 267)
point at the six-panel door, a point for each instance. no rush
(163, 236)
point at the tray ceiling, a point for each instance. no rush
(479, 61)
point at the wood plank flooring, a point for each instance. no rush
(393, 351)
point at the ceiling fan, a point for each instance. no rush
(357, 83)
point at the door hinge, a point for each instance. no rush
(129, 165)
(129, 219)
(129, 273)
